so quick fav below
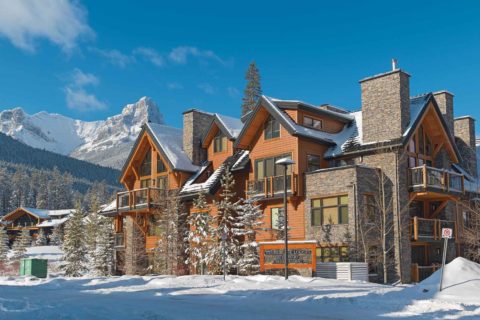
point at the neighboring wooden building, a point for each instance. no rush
(408, 150)
(34, 219)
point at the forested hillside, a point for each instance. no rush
(36, 178)
(13, 151)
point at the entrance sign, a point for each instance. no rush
(295, 256)
(447, 233)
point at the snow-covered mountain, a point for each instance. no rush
(106, 142)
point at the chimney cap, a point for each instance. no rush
(394, 64)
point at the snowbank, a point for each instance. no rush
(51, 253)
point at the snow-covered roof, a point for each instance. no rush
(417, 105)
(170, 141)
(47, 214)
(109, 207)
(52, 222)
(232, 125)
(191, 186)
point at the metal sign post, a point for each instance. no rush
(446, 234)
(224, 254)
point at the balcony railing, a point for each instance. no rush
(420, 273)
(143, 198)
(425, 178)
(430, 229)
(272, 186)
(119, 240)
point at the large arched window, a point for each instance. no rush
(160, 165)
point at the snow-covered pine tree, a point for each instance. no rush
(41, 238)
(198, 235)
(3, 245)
(21, 244)
(92, 233)
(74, 246)
(248, 221)
(56, 238)
(253, 90)
(225, 245)
(104, 250)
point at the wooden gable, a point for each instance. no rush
(255, 124)
(431, 122)
(21, 217)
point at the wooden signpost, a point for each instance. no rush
(446, 234)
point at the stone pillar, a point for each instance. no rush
(385, 106)
(135, 252)
(195, 123)
(444, 101)
(464, 128)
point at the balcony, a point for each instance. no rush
(271, 187)
(119, 240)
(433, 181)
(429, 230)
(137, 199)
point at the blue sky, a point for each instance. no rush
(87, 59)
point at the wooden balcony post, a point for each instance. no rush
(425, 182)
(134, 199)
(117, 201)
(148, 197)
(415, 228)
(265, 189)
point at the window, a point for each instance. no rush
(277, 218)
(420, 149)
(370, 207)
(162, 183)
(219, 142)
(146, 166)
(160, 165)
(313, 162)
(332, 254)
(266, 167)
(332, 210)
(467, 220)
(272, 128)
(312, 123)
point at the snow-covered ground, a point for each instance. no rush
(258, 297)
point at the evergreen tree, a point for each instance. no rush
(74, 247)
(56, 239)
(41, 238)
(104, 250)
(200, 223)
(225, 246)
(248, 221)
(3, 245)
(21, 244)
(92, 232)
(253, 90)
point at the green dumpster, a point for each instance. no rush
(33, 267)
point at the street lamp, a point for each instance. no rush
(285, 162)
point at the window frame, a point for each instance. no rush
(279, 211)
(319, 162)
(220, 142)
(163, 167)
(319, 210)
(342, 253)
(271, 128)
(275, 167)
(144, 163)
(313, 120)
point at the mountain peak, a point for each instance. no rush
(144, 110)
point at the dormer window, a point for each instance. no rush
(146, 166)
(219, 142)
(312, 123)
(272, 128)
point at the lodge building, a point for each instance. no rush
(402, 159)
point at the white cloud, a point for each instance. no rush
(151, 55)
(76, 95)
(180, 55)
(233, 92)
(207, 88)
(174, 86)
(114, 56)
(63, 22)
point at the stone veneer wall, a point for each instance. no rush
(465, 140)
(444, 101)
(195, 123)
(385, 106)
(134, 255)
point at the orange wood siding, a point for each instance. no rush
(218, 158)
(296, 219)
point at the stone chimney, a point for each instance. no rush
(195, 122)
(445, 103)
(385, 105)
(464, 128)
